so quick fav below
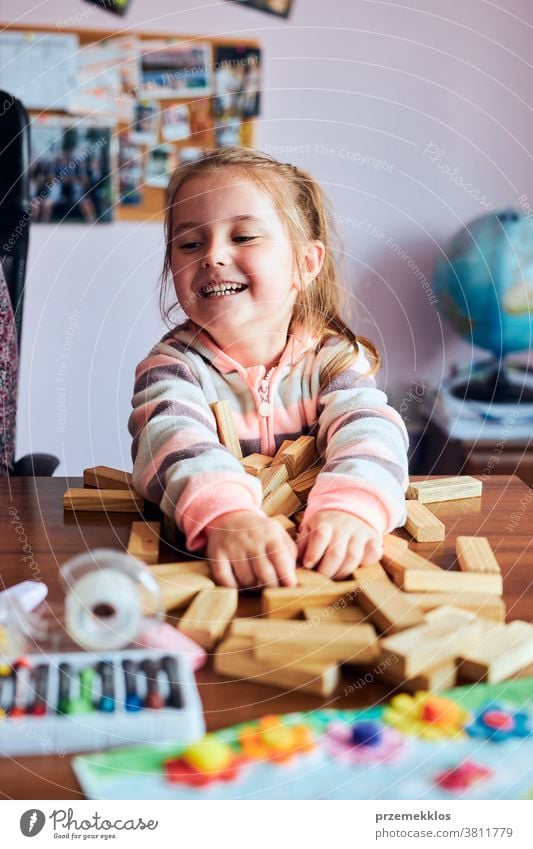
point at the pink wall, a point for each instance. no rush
(355, 92)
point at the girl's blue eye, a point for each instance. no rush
(240, 239)
(189, 246)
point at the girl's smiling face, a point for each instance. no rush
(233, 265)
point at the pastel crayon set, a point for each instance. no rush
(76, 701)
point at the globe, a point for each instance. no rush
(484, 283)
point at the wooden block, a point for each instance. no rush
(182, 567)
(287, 602)
(209, 615)
(349, 613)
(444, 489)
(250, 626)
(297, 456)
(422, 524)
(392, 541)
(286, 523)
(255, 463)
(304, 483)
(272, 478)
(501, 653)
(474, 554)
(104, 477)
(413, 573)
(311, 578)
(283, 500)
(181, 589)
(227, 432)
(388, 608)
(234, 659)
(285, 444)
(103, 500)
(486, 606)
(440, 678)
(309, 642)
(143, 542)
(447, 633)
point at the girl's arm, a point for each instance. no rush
(364, 444)
(179, 462)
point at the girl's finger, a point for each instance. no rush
(317, 545)
(333, 559)
(284, 564)
(265, 574)
(372, 553)
(244, 573)
(222, 572)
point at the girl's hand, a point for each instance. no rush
(249, 550)
(340, 542)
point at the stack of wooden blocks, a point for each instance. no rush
(405, 620)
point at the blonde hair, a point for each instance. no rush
(303, 207)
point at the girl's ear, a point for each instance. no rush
(312, 262)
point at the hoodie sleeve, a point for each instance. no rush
(363, 442)
(178, 460)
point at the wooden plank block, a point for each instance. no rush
(422, 524)
(501, 653)
(486, 606)
(447, 633)
(287, 602)
(312, 578)
(304, 483)
(104, 477)
(394, 541)
(474, 554)
(209, 615)
(234, 659)
(285, 444)
(255, 463)
(444, 489)
(182, 567)
(103, 500)
(388, 608)
(297, 456)
(227, 432)
(282, 500)
(438, 678)
(286, 523)
(350, 613)
(180, 590)
(143, 541)
(309, 642)
(413, 573)
(271, 478)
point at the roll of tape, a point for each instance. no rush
(103, 610)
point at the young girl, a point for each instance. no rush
(248, 251)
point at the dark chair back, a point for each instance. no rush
(15, 203)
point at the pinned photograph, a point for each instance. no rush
(228, 131)
(237, 80)
(200, 116)
(145, 127)
(175, 123)
(173, 69)
(160, 165)
(130, 171)
(281, 8)
(70, 170)
(189, 154)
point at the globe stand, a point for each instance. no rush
(493, 383)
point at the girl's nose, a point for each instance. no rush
(216, 254)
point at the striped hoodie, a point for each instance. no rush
(180, 464)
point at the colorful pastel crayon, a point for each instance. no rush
(133, 701)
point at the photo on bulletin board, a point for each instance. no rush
(145, 127)
(228, 131)
(282, 8)
(173, 69)
(175, 123)
(237, 80)
(70, 170)
(130, 171)
(160, 164)
(200, 116)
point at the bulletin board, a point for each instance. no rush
(143, 115)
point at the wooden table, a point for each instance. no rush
(32, 516)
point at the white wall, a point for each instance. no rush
(342, 78)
